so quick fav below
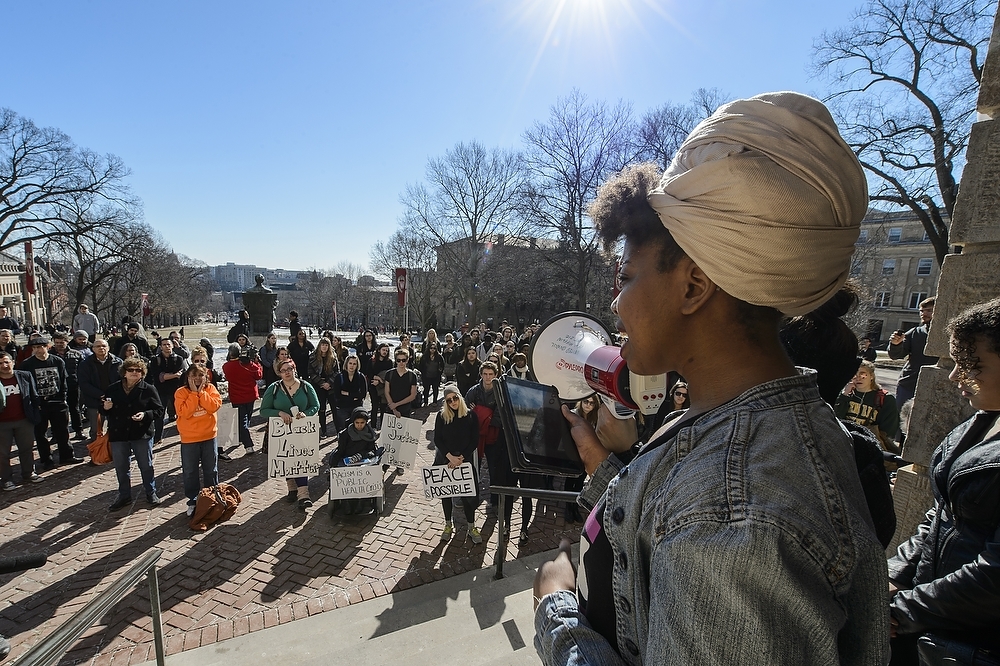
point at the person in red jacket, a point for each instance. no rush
(196, 403)
(242, 371)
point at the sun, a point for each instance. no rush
(589, 24)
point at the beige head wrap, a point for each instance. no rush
(767, 198)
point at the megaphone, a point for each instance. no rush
(576, 353)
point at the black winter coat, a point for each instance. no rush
(950, 568)
(142, 398)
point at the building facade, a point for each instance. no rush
(895, 266)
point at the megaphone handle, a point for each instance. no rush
(616, 408)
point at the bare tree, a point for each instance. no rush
(43, 178)
(469, 199)
(426, 291)
(660, 131)
(568, 157)
(905, 75)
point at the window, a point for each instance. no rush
(915, 299)
(895, 234)
(882, 299)
(924, 266)
(888, 267)
(926, 237)
(863, 236)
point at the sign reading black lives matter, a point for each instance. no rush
(441, 482)
(293, 449)
(399, 436)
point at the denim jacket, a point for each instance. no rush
(744, 539)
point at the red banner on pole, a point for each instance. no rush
(29, 267)
(146, 310)
(401, 287)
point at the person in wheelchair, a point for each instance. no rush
(356, 444)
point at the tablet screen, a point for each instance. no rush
(542, 430)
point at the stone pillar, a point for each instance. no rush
(966, 279)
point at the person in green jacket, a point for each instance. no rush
(290, 398)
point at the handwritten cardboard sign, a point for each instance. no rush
(399, 436)
(355, 481)
(441, 482)
(293, 449)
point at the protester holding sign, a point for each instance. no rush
(290, 398)
(456, 435)
(355, 443)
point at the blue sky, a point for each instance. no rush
(281, 134)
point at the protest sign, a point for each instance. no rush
(293, 450)
(228, 436)
(355, 481)
(399, 436)
(441, 482)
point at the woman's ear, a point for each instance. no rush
(698, 287)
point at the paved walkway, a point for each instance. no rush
(271, 564)
(466, 619)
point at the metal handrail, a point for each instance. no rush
(533, 493)
(50, 650)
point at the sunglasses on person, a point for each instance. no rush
(451, 398)
(200, 361)
(683, 394)
(400, 360)
(139, 370)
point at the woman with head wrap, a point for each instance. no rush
(739, 533)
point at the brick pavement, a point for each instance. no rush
(269, 565)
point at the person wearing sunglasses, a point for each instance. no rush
(679, 396)
(456, 437)
(131, 406)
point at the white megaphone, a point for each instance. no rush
(575, 353)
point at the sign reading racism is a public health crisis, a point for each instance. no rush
(355, 481)
(293, 449)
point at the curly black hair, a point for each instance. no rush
(621, 209)
(981, 320)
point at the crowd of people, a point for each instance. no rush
(745, 524)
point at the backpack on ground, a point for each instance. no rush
(216, 504)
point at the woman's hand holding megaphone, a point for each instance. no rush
(613, 436)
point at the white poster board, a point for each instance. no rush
(229, 434)
(399, 436)
(293, 450)
(355, 481)
(441, 482)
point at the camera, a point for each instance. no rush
(248, 354)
